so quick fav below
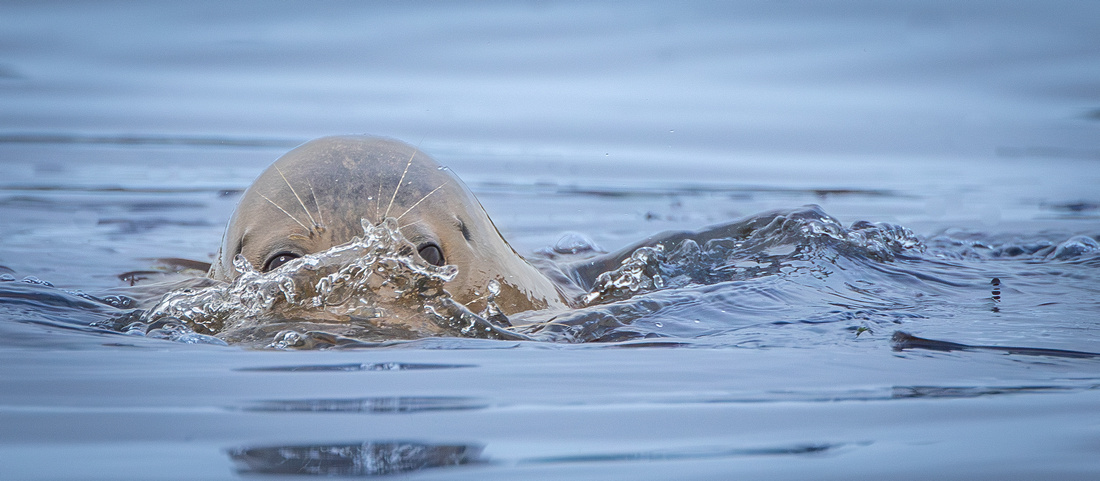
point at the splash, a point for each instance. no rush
(374, 288)
(790, 266)
(758, 247)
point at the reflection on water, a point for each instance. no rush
(690, 454)
(903, 340)
(383, 458)
(941, 392)
(362, 459)
(371, 405)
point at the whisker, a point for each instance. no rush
(315, 203)
(395, 190)
(410, 223)
(303, 204)
(471, 301)
(277, 206)
(422, 199)
(378, 202)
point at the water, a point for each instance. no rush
(129, 130)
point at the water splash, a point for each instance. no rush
(374, 288)
(764, 245)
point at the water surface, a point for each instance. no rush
(128, 131)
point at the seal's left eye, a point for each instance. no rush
(432, 254)
(279, 259)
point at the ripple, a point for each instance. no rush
(371, 405)
(691, 453)
(354, 367)
(207, 141)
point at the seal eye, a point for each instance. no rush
(279, 259)
(432, 254)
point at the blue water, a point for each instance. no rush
(128, 130)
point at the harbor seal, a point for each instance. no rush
(317, 196)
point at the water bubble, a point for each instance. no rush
(120, 302)
(287, 339)
(242, 265)
(575, 243)
(37, 281)
(134, 328)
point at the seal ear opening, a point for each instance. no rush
(432, 254)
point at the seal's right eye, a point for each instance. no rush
(279, 259)
(432, 253)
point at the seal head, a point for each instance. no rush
(317, 195)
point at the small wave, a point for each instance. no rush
(739, 283)
(1034, 248)
(761, 246)
(207, 141)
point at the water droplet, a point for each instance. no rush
(36, 281)
(241, 264)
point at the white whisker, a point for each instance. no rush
(303, 204)
(315, 203)
(277, 206)
(422, 199)
(399, 182)
(410, 223)
(378, 202)
(471, 301)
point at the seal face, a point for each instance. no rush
(317, 196)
